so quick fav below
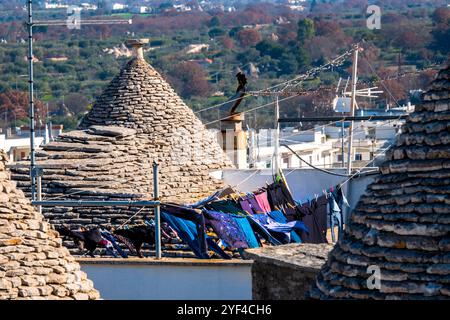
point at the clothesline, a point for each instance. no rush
(241, 209)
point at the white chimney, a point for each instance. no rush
(137, 45)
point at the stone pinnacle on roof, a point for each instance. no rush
(137, 120)
(33, 262)
(137, 45)
(140, 99)
(401, 225)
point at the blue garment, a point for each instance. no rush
(187, 231)
(262, 231)
(248, 232)
(234, 230)
(279, 217)
(108, 236)
(334, 216)
(216, 248)
(336, 202)
(184, 231)
(198, 220)
(279, 227)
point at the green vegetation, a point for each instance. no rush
(268, 42)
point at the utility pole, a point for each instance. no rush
(31, 101)
(277, 135)
(352, 108)
(30, 25)
(342, 143)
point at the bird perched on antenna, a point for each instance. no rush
(240, 91)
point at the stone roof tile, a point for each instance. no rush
(402, 223)
(33, 262)
(138, 119)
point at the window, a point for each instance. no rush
(339, 157)
(358, 157)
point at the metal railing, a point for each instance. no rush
(155, 203)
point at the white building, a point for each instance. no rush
(140, 9)
(321, 147)
(119, 6)
(88, 6)
(182, 7)
(55, 5)
(17, 145)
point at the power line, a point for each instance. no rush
(381, 82)
(288, 83)
(360, 125)
(256, 108)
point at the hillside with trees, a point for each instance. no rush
(268, 41)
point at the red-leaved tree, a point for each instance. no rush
(15, 105)
(248, 37)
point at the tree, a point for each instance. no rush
(77, 103)
(327, 28)
(227, 42)
(214, 22)
(250, 55)
(287, 64)
(305, 30)
(189, 79)
(216, 32)
(270, 48)
(14, 105)
(248, 37)
(441, 15)
(441, 31)
(303, 59)
(234, 31)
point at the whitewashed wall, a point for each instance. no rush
(303, 183)
(171, 279)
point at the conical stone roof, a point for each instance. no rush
(33, 262)
(167, 129)
(401, 225)
(137, 120)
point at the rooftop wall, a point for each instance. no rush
(174, 279)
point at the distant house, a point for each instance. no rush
(88, 6)
(119, 6)
(35, 59)
(55, 5)
(140, 9)
(17, 144)
(196, 48)
(182, 8)
(58, 58)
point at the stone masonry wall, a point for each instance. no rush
(285, 272)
